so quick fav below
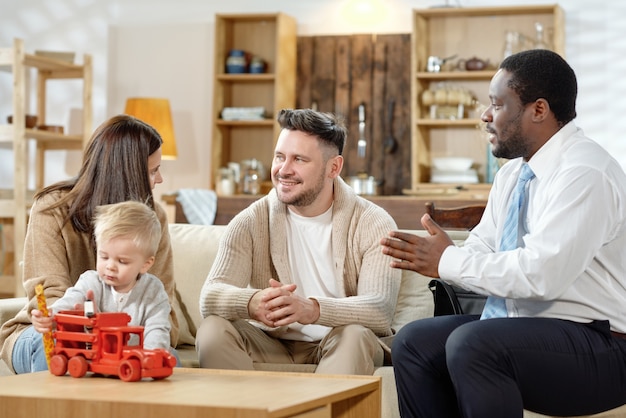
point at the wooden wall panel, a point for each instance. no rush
(342, 76)
(397, 166)
(338, 73)
(379, 111)
(361, 70)
(303, 69)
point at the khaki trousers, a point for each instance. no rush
(348, 349)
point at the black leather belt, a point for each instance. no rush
(618, 335)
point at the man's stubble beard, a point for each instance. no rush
(306, 197)
(515, 144)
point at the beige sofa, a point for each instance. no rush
(194, 249)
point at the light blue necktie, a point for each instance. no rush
(495, 307)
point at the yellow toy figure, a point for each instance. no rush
(48, 342)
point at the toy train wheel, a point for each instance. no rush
(130, 370)
(77, 366)
(58, 365)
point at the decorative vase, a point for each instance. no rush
(257, 65)
(236, 62)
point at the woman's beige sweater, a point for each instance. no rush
(254, 249)
(55, 255)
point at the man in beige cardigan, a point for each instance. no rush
(299, 276)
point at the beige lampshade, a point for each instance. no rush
(156, 113)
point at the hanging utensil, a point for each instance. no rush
(362, 143)
(390, 144)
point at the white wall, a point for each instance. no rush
(164, 48)
(168, 60)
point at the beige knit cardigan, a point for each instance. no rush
(253, 249)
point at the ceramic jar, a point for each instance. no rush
(236, 62)
(257, 65)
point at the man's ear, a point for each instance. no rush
(336, 164)
(147, 264)
(541, 110)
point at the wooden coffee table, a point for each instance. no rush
(192, 393)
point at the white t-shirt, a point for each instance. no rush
(309, 244)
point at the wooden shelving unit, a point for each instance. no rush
(14, 204)
(273, 38)
(466, 33)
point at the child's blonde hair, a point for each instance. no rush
(131, 219)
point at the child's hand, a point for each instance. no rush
(41, 323)
(89, 296)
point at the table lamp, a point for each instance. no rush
(156, 113)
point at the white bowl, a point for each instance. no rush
(453, 163)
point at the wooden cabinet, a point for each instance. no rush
(467, 33)
(18, 65)
(405, 210)
(272, 37)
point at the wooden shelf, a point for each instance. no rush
(478, 191)
(18, 64)
(272, 37)
(455, 75)
(242, 78)
(7, 286)
(488, 11)
(405, 209)
(53, 140)
(448, 123)
(264, 122)
(465, 33)
(7, 202)
(61, 69)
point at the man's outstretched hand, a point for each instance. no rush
(420, 254)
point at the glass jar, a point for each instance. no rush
(540, 39)
(512, 44)
(225, 182)
(236, 169)
(252, 178)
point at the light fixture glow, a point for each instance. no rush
(156, 113)
(364, 12)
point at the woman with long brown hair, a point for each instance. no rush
(121, 162)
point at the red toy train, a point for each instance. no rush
(100, 344)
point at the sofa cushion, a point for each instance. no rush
(10, 308)
(194, 248)
(415, 300)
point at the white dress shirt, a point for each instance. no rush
(573, 262)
